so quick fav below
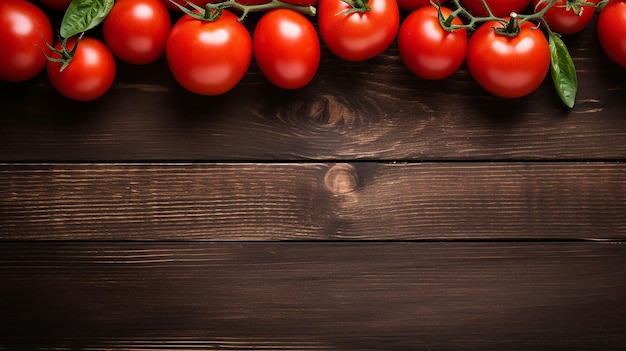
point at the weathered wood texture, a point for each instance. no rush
(373, 110)
(125, 225)
(364, 201)
(351, 296)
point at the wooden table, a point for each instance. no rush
(369, 210)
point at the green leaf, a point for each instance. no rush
(562, 70)
(83, 15)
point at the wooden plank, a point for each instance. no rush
(348, 296)
(313, 201)
(373, 110)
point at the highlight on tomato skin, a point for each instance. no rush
(286, 48)
(25, 30)
(426, 48)
(89, 75)
(508, 67)
(136, 30)
(358, 36)
(611, 31)
(209, 57)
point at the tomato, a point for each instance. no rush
(499, 8)
(427, 49)
(567, 16)
(286, 48)
(506, 66)
(25, 28)
(170, 6)
(136, 30)
(209, 58)
(90, 73)
(611, 29)
(58, 5)
(410, 5)
(358, 36)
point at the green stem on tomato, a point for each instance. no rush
(65, 56)
(511, 26)
(213, 11)
(361, 6)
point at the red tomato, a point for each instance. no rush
(506, 66)
(286, 48)
(358, 36)
(499, 8)
(410, 5)
(567, 16)
(24, 28)
(58, 5)
(612, 31)
(170, 6)
(90, 73)
(427, 49)
(136, 30)
(209, 58)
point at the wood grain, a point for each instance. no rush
(372, 110)
(313, 201)
(371, 210)
(344, 296)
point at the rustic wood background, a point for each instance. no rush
(368, 210)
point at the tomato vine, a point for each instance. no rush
(212, 11)
(83, 15)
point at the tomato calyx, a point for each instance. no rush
(65, 55)
(356, 6)
(512, 27)
(213, 11)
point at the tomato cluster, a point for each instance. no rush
(508, 46)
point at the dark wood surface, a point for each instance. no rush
(322, 295)
(361, 201)
(369, 210)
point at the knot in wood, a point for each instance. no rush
(332, 110)
(341, 178)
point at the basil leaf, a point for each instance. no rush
(562, 70)
(82, 15)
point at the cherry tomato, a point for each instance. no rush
(567, 16)
(612, 31)
(411, 5)
(170, 6)
(24, 28)
(427, 49)
(90, 73)
(58, 5)
(136, 30)
(358, 36)
(286, 48)
(499, 8)
(507, 66)
(209, 58)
